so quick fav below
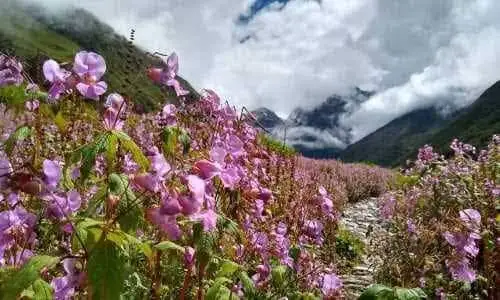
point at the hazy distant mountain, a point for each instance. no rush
(400, 139)
(315, 132)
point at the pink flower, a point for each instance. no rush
(11, 71)
(167, 75)
(57, 76)
(208, 219)
(206, 169)
(166, 223)
(90, 67)
(471, 219)
(330, 284)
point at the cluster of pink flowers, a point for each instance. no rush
(188, 165)
(88, 69)
(444, 201)
(465, 246)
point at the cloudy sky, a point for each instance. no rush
(287, 53)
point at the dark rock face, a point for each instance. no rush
(267, 118)
(315, 132)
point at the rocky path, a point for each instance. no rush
(362, 219)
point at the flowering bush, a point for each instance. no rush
(187, 202)
(444, 224)
(359, 181)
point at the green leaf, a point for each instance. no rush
(185, 142)
(227, 269)
(89, 231)
(96, 200)
(278, 275)
(60, 122)
(20, 134)
(247, 283)
(168, 245)
(169, 137)
(87, 155)
(130, 213)
(121, 238)
(111, 150)
(26, 276)
(42, 290)
(218, 290)
(106, 271)
(129, 145)
(410, 294)
(377, 292)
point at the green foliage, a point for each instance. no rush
(129, 145)
(218, 290)
(87, 155)
(20, 134)
(382, 292)
(276, 145)
(129, 208)
(39, 290)
(168, 245)
(173, 136)
(227, 268)
(23, 278)
(106, 271)
(348, 246)
(13, 95)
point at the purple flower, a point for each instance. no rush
(11, 71)
(189, 256)
(170, 204)
(53, 173)
(230, 177)
(208, 219)
(90, 67)
(16, 226)
(330, 284)
(325, 202)
(159, 165)
(63, 205)
(388, 206)
(57, 76)
(64, 287)
(167, 117)
(471, 219)
(115, 106)
(263, 272)
(234, 146)
(411, 227)
(32, 105)
(206, 169)
(167, 223)
(167, 76)
(218, 154)
(5, 170)
(463, 243)
(461, 270)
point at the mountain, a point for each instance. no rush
(267, 118)
(391, 144)
(400, 139)
(34, 34)
(475, 124)
(315, 132)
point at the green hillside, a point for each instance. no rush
(393, 143)
(31, 33)
(475, 125)
(400, 139)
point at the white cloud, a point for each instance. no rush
(415, 53)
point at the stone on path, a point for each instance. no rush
(363, 220)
